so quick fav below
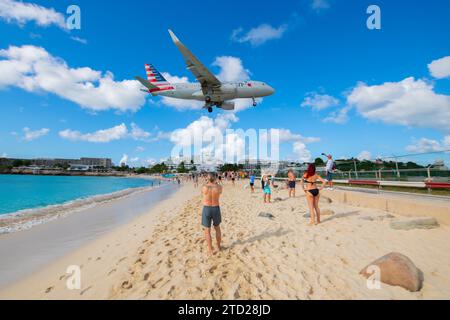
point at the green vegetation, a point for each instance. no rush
(365, 165)
(231, 167)
(21, 163)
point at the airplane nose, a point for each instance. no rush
(270, 90)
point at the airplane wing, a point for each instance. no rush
(203, 75)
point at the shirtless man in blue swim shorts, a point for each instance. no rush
(211, 211)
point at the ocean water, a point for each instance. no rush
(21, 192)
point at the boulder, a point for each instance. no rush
(397, 269)
(420, 223)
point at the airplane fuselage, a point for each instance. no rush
(227, 91)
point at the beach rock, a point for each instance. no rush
(397, 269)
(420, 223)
(278, 199)
(266, 215)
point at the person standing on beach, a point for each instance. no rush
(211, 212)
(267, 191)
(330, 169)
(252, 182)
(195, 180)
(309, 186)
(291, 183)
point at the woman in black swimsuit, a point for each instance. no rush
(309, 185)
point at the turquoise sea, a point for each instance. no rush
(20, 192)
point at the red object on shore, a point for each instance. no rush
(438, 185)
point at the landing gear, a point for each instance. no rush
(254, 102)
(208, 99)
(210, 109)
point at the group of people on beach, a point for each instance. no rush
(212, 190)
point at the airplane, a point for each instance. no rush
(208, 89)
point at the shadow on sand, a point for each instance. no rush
(341, 215)
(265, 235)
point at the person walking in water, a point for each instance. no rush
(309, 185)
(267, 191)
(291, 183)
(211, 212)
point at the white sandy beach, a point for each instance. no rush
(162, 254)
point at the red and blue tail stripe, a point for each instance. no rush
(156, 78)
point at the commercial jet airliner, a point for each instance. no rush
(208, 89)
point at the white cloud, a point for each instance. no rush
(301, 152)
(138, 133)
(428, 145)
(100, 136)
(319, 101)
(231, 69)
(259, 35)
(78, 39)
(286, 135)
(220, 143)
(33, 69)
(4, 155)
(140, 149)
(440, 68)
(30, 135)
(340, 116)
(409, 102)
(319, 5)
(124, 160)
(22, 12)
(364, 155)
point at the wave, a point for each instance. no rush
(28, 218)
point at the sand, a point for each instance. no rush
(279, 258)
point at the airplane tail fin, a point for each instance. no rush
(155, 77)
(155, 82)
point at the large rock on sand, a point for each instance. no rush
(397, 269)
(420, 223)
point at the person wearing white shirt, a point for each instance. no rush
(330, 170)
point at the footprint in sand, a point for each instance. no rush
(111, 272)
(82, 292)
(49, 289)
(127, 285)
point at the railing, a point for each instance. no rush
(402, 175)
(427, 178)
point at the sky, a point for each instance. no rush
(341, 88)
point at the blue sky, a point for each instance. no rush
(357, 92)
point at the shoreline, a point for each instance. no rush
(161, 254)
(39, 246)
(26, 219)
